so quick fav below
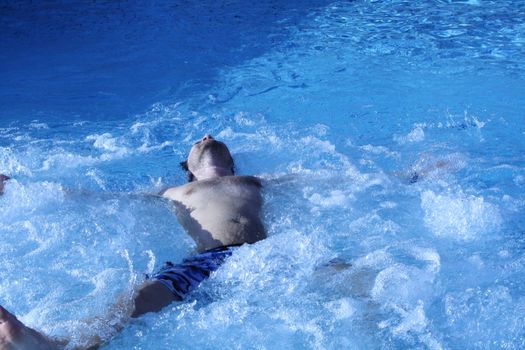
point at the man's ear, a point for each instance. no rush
(184, 166)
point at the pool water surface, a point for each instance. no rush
(388, 135)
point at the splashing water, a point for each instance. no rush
(388, 134)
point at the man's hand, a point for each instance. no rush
(3, 179)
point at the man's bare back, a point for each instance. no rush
(217, 209)
(221, 211)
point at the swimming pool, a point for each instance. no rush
(389, 135)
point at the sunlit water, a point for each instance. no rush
(336, 106)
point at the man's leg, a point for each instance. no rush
(152, 296)
(181, 278)
(15, 335)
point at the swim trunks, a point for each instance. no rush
(182, 278)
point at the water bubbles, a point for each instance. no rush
(451, 33)
(459, 216)
(334, 198)
(355, 258)
(341, 308)
(13, 163)
(37, 125)
(108, 144)
(492, 307)
(416, 135)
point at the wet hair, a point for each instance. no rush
(184, 166)
(191, 177)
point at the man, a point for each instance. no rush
(218, 210)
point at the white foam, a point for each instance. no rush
(107, 142)
(402, 290)
(102, 279)
(431, 256)
(111, 148)
(378, 150)
(320, 129)
(341, 308)
(318, 145)
(295, 321)
(297, 254)
(335, 198)
(96, 176)
(504, 253)
(32, 232)
(36, 125)
(146, 147)
(262, 138)
(31, 197)
(393, 285)
(476, 261)
(374, 225)
(414, 320)
(416, 135)
(400, 285)
(388, 205)
(376, 259)
(491, 315)
(10, 163)
(20, 138)
(67, 160)
(226, 133)
(243, 119)
(459, 216)
(151, 261)
(468, 121)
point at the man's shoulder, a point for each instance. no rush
(227, 181)
(245, 180)
(175, 193)
(179, 192)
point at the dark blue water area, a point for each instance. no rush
(110, 60)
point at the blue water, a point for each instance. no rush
(335, 105)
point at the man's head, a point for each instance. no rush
(208, 158)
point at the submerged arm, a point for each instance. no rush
(83, 193)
